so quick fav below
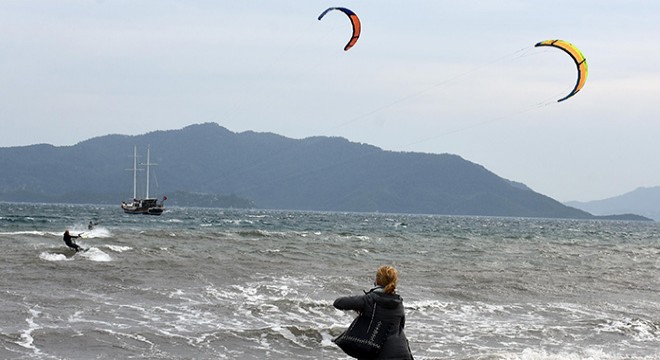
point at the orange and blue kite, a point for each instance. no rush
(355, 21)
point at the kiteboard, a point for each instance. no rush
(68, 252)
(82, 249)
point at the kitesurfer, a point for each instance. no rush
(91, 225)
(68, 240)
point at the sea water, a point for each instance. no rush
(239, 284)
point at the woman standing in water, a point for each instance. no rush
(390, 310)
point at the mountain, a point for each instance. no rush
(644, 201)
(270, 171)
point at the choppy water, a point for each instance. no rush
(225, 284)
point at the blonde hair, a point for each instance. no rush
(387, 276)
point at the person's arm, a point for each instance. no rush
(350, 303)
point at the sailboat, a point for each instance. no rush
(147, 205)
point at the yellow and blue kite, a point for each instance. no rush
(579, 59)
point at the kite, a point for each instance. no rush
(579, 59)
(355, 21)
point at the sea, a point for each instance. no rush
(199, 283)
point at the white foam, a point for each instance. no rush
(53, 257)
(270, 251)
(39, 233)
(585, 354)
(287, 334)
(27, 341)
(261, 216)
(326, 339)
(95, 254)
(118, 248)
(238, 221)
(97, 232)
(638, 329)
(137, 337)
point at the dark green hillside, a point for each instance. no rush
(269, 171)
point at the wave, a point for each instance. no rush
(303, 337)
(86, 234)
(26, 338)
(637, 329)
(54, 257)
(96, 254)
(92, 254)
(253, 288)
(32, 232)
(118, 248)
(262, 234)
(97, 232)
(584, 354)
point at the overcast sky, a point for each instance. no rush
(459, 77)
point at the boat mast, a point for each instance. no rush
(134, 172)
(148, 164)
(148, 150)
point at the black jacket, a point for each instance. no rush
(390, 309)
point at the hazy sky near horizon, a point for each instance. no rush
(460, 77)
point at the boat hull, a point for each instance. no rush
(143, 207)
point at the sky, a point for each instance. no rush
(458, 77)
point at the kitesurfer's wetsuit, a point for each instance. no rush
(67, 240)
